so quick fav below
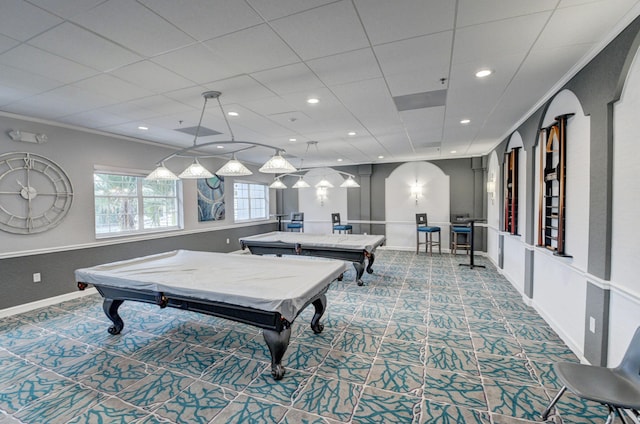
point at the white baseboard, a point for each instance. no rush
(45, 302)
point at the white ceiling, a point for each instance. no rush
(113, 65)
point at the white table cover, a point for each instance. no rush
(283, 285)
(347, 241)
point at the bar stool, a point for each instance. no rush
(297, 222)
(335, 220)
(429, 231)
(459, 232)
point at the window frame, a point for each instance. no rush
(140, 198)
(266, 189)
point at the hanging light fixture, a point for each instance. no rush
(278, 184)
(277, 164)
(301, 183)
(162, 173)
(195, 170)
(350, 183)
(233, 168)
(324, 183)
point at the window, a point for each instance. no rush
(250, 201)
(126, 204)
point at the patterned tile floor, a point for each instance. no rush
(424, 341)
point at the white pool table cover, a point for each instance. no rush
(282, 285)
(366, 242)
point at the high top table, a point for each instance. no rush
(471, 224)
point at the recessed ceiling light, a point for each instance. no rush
(484, 73)
(453, 151)
(233, 113)
(351, 133)
(380, 157)
(143, 128)
(339, 159)
(293, 139)
(465, 121)
(220, 146)
(313, 101)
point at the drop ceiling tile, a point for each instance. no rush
(66, 8)
(96, 119)
(25, 81)
(127, 22)
(384, 21)
(152, 76)
(7, 43)
(346, 67)
(239, 89)
(113, 88)
(566, 27)
(46, 64)
(416, 65)
(21, 20)
(369, 98)
(273, 9)
(254, 49)
(161, 106)
(483, 42)
(198, 64)
(74, 43)
(204, 19)
(289, 79)
(326, 30)
(473, 12)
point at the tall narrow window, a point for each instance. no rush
(250, 201)
(129, 204)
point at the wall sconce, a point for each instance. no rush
(491, 188)
(416, 190)
(321, 193)
(18, 135)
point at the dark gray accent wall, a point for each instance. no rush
(57, 268)
(597, 308)
(528, 273)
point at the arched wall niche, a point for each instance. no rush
(415, 187)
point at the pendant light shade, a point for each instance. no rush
(233, 168)
(350, 183)
(277, 165)
(324, 183)
(278, 184)
(301, 184)
(195, 170)
(161, 173)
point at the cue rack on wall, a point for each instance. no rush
(511, 191)
(552, 198)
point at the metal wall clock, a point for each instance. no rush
(35, 193)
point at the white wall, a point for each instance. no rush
(625, 248)
(401, 207)
(317, 212)
(493, 207)
(560, 284)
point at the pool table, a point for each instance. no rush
(353, 248)
(266, 292)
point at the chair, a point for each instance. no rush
(617, 388)
(423, 227)
(337, 226)
(297, 222)
(460, 233)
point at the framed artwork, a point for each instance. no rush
(211, 199)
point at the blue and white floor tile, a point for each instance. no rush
(423, 341)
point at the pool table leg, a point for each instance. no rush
(371, 257)
(278, 343)
(320, 305)
(359, 266)
(110, 307)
